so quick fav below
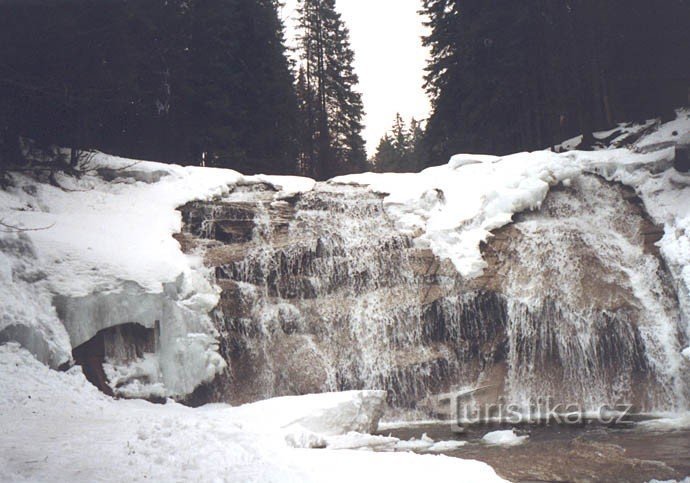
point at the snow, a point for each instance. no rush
(288, 186)
(52, 422)
(101, 253)
(421, 444)
(27, 314)
(106, 254)
(673, 131)
(504, 438)
(456, 206)
(327, 414)
(460, 160)
(127, 378)
(444, 446)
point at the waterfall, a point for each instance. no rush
(321, 292)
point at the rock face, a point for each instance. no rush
(320, 292)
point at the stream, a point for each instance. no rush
(589, 452)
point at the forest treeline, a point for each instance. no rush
(211, 81)
(512, 75)
(184, 81)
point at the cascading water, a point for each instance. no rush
(321, 292)
(591, 313)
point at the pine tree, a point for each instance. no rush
(331, 108)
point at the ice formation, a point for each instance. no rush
(99, 252)
(504, 438)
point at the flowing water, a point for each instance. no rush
(567, 453)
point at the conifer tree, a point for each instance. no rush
(386, 157)
(400, 150)
(506, 76)
(331, 107)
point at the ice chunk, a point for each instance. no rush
(443, 446)
(504, 438)
(326, 414)
(422, 444)
(354, 440)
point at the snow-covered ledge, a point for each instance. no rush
(101, 253)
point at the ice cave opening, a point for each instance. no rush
(104, 357)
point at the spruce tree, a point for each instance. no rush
(331, 107)
(386, 158)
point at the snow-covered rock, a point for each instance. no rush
(100, 253)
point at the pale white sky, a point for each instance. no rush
(389, 59)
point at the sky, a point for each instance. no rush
(389, 59)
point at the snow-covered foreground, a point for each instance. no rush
(57, 427)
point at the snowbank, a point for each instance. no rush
(51, 422)
(27, 315)
(326, 414)
(455, 207)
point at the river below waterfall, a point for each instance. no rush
(582, 453)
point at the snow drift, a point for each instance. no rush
(51, 422)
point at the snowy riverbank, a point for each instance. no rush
(57, 427)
